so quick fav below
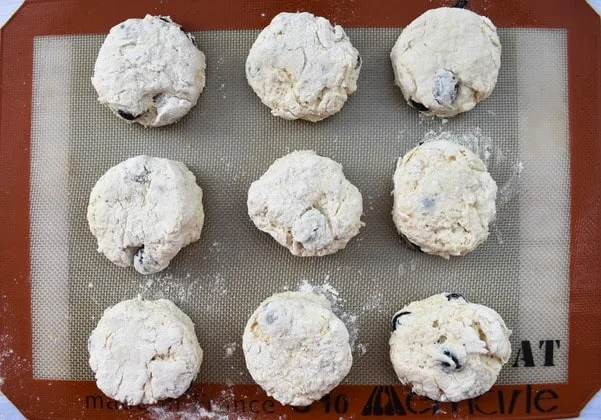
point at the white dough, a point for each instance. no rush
(295, 348)
(306, 204)
(447, 60)
(301, 66)
(444, 198)
(144, 210)
(149, 71)
(448, 349)
(143, 351)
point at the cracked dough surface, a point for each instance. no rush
(446, 61)
(144, 210)
(149, 71)
(306, 204)
(301, 66)
(296, 348)
(143, 351)
(448, 349)
(444, 198)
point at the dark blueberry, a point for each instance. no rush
(452, 296)
(410, 244)
(158, 98)
(358, 65)
(139, 256)
(461, 4)
(453, 358)
(418, 105)
(428, 202)
(142, 178)
(270, 317)
(445, 87)
(396, 317)
(128, 116)
(253, 70)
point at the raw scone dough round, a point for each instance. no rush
(448, 349)
(143, 351)
(144, 210)
(444, 198)
(296, 348)
(446, 61)
(306, 204)
(149, 71)
(301, 66)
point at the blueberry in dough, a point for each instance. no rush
(127, 115)
(455, 362)
(452, 296)
(308, 67)
(144, 210)
(446, 61)
(418, 105)
(395, 318)
(296, 348)
(143, 58)
(409, 244)
(144, 351)
(448, 349)
(444, 199)
(305, 203)
(358, 65)
(445, 87)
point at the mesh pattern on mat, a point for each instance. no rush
(229, 139)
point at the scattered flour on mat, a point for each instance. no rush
(230, 349)
(361, 349)
(474, 140)
(223, 406)
(6, 355)
(178, 289)
(406, 266)
(510, 189)
(193, 412)
(374, 303)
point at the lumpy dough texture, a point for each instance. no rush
(144, 210)
(306, 204)
(296, 348)
(444, 198)
(149, 71)
(448, 349)
(301, 66)
(446, 61)
(143, 351)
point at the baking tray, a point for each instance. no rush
(538, 132)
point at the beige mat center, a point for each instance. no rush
(229, 139)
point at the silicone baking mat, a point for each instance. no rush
(523, 132)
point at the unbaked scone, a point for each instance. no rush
(301, 66)
(143, 351)
(306, 204)
(296, 348)
(149, 71)
(448, 349)
(444, 198)
(446, 61)
(144, 210)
